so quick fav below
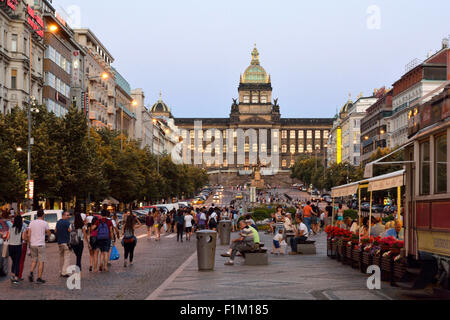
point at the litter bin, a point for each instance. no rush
(225, 227)
(206, 249)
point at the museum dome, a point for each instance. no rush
(255, 73)
(160, 106)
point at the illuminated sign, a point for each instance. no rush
(11, 3)
(339, 146)
(35, 22)
(29, 190)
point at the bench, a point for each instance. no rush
(307, 247)
(256, 257)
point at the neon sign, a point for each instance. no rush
(35, 22)
(12, 4)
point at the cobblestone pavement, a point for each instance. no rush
(154, 262)
(286, 278)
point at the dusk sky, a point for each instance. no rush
(316, 51)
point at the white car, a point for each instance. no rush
(51, 217)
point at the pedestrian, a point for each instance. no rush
(78, 237)
(212, 224)
(115, 234)
(104, 229)
(15, 238)
(276, 247)
(63, 235)
(202, 220)
(235, 220)
(180, 225)
(307, 215)
(129, 240)
(157, 218)
(188, 220)
(36, 238)
(92, 244)
(149, 222)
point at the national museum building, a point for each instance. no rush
(287, 137)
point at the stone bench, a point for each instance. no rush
(307, 247)
(256, 258)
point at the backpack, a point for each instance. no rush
(75, 238)
(103, 231)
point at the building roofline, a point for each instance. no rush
(91, 34)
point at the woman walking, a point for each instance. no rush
(92, 244)
(129, 240)
(149, 222)
(156, 226)
(80, 229)
(15, 238)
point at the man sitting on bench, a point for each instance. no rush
(301, 235)
(246, 242)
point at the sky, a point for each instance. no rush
(317, 52)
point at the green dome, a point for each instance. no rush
(255, 73)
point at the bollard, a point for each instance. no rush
(206, 249)
(225, 227)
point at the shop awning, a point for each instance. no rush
(346, 190)
(387, 181)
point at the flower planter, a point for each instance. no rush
(349, 255)
(386, 268)
(329, 247)
(399, 270)
(356, 259)
(334, 249)
(340, 249)
(366, 261)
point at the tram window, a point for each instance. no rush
(441, 164)
(425, 168)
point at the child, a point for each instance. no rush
(277, 242)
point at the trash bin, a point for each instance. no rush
(225, 227)
(206, 249)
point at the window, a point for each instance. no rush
(25, 46)
(275, 134)
(301, 134)
(292, 148)
(284, 149)
(13, 79)
(14, 43)
(263, 147)
(284, 134)
(255, 147)
(292, 135)
(292, 162)
(309, 134)
(441, 164)
(318, 135)
(301, 148)
(309, 148)
(246, 99)
(255, 99)
(247, 148)
(326, 134)
(284, 163)
(425, 168)
(263, 99)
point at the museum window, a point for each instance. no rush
(246, 99)
(301, 134)
(284, 134)
(255, 99)
(318, 135)
(325, 135)
(292, 148)
(309, 148)
(292, 135)
(440, 164)
(309, 134)
(284, 149)
(301, 148)
(425, 168)
(263, 99)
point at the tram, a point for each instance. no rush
(427, 215)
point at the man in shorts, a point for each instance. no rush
(36, 237)
(188, 219)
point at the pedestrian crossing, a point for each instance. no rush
(166, 236)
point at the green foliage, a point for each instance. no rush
(68, 162)
(388, 219)
(353, 214)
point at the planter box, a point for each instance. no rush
(386, 268)
(366, 261)
(399, 270)
(356, 259)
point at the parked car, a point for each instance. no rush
(365, 206)
(141, 215)
(378, 208)
(4, 262)
(315, 196)
(327, 198)
(51, 217)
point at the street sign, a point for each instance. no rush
(31, 189)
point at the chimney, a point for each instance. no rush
(445, 43)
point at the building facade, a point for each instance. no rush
(125, 120)
(19, 24)
(374, 134)
(100, 85)
(255, 126)
(419, 84)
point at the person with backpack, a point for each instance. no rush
(180, 225)
(213, 221)
(63, 231)
(92, 244)
(129, 240)
(78, 236)
(202, 220)
(104, 229)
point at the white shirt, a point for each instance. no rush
(188, 219)
(302, 227)
(83, 217)
(38, 228)
(89, 219)
(213, 216)
(278, 237)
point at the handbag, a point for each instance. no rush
(5, 249)
(114, 254)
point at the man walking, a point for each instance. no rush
(244, 243)
(307, 215)
(63, 235)
(104, 229)
(36, 237)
